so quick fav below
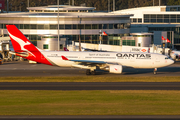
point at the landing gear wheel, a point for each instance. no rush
(93, 72)
(88, 72)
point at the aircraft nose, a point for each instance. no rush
(171, 61)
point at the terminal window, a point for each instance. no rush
(68, 26)
(173, 9)
(128, 42)
(94, 26)
(160, 18)
(61, 46)
(134, 19)
(45, 46)
(110, 26)
(88, 26)
(139, 20)
(81, 26)
(40, 26)
(73, 26)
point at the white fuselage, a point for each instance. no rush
(135, 60)
(114, 61)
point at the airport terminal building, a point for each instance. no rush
(157, 20)
(138, 27)
(73, 22)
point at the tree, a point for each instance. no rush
(171, 2)
(101, 5)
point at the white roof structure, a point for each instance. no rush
(65, 11)
(157, 20)
(139, 12)
(68, 22)
(61, 7)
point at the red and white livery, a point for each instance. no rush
(114, 62)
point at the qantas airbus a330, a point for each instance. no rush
(110, 61)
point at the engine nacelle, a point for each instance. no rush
(173, 56)
(115, 69)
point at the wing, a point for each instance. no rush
(88, 61)
(82, 63)
(88, 64)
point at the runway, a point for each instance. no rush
(90, 86)
(15, 68)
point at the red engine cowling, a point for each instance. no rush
(115, 69)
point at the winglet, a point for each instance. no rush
(64, 58)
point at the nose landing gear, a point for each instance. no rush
(155, 71)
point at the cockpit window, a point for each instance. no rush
(166, 58)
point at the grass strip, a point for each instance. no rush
(110, 102)
(91, 79)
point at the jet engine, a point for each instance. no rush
(115, 69)
(175, 56)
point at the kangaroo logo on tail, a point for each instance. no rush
(21, 43)
(23, 47)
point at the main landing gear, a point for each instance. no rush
(155, 71)
(89, 72)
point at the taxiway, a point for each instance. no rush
(16, 68)
(90, 86)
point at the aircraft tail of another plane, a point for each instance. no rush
(65, 49)
(23, 47)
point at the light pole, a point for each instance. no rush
(28, 3)
(72, 2)
(108, 5)
(100, 37)
(58, 23)
(7, 6)
(114, 7)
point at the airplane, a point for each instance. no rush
(114, 62)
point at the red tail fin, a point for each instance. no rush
(23, 47)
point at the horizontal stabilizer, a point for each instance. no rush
(64, 58)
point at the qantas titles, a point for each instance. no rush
(137, 56)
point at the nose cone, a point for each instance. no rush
(171, 61)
